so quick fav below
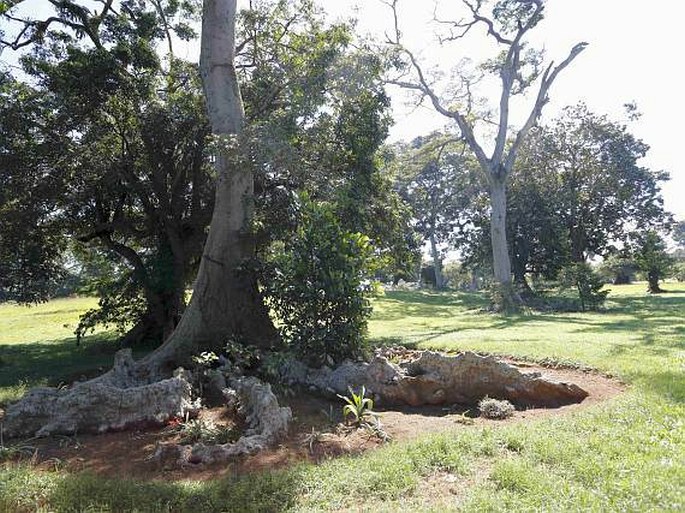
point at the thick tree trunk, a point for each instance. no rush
(226, 300)
(653, 283)
(437, 263)
(507, 299)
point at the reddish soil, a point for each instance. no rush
(316, 434)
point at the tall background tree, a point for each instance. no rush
(518, 68)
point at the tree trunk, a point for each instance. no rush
(506, 297)
(653, 283)
(226, 300)
(437, 263)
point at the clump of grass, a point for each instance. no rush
(199, 430)
(495, 409)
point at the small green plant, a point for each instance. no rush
(200, 430)
(358, 407)
(241, 355)
(495, 409)
(206, 359)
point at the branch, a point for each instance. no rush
(508, 74)
(426, 89)
(548, 79)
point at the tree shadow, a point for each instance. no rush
(398, 305)
(59, 361)
(275, 492)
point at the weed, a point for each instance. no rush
(359, 407)
(495, 409)
(193, 431)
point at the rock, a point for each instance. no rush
(433, 379)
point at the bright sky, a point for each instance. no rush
(633, 55)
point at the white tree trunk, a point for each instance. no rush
(498, 232)
(437, 263)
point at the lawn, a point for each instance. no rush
(627, 454)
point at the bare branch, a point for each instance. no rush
(548, 79)
(424, 87)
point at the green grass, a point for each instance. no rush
(627, 454)
(38, 346)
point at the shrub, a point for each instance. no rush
(318, 284)
(618, 270)
(587, 284)
(678, 272)
(495, 409)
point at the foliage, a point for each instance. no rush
(679, 234)
(617, 269)
(588, 285)
(192, 431)
(652, 258)
(358, 407)
(576, 191)
(495, 409)
(679, 271)
(31, 244)
(318, 284)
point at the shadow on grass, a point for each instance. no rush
(401, 304)
(58, 361)
(268, 492)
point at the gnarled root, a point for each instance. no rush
(114, 401)
(267, 422)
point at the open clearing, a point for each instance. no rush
(615, 452)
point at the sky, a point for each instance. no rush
(633, 54)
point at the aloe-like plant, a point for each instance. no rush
(359, 407)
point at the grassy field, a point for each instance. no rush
(625, 455)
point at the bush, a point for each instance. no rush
(587, 283)
(495, 409)
(318, 285)
(678, 271)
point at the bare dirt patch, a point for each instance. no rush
(316, 434)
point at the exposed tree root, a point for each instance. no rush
(114, 401)
(267, 423)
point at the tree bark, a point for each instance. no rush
(653, 283)
(437, 263)
(226, 301)
(507, 297)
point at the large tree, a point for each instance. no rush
(434, 176)
(141, 191)
(578, 190)
(518, 68)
